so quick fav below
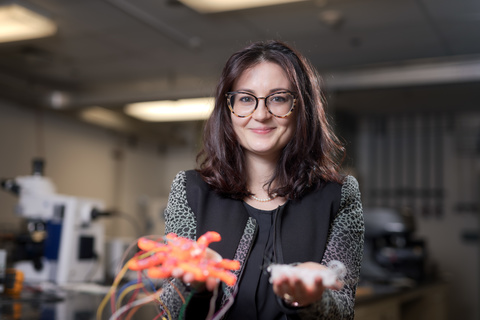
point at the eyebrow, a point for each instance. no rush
(270, 92)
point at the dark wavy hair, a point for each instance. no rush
(313, 155)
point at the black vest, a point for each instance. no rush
(302, 225)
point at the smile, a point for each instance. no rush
(262, 130)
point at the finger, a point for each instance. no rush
(212, 283)
(306, 294)
(280, 286)
(177, 272)
(212, 255)
(299, 291)
(288, 286)
(338, 285)
(188, 277)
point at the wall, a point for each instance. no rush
(429, 164)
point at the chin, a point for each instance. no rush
(265, 152)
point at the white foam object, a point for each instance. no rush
(335, 271)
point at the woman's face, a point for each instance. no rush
(263, 134)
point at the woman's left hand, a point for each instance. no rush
(296, 292)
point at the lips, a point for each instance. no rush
(262, 130)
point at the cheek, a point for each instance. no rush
(238, 123)
(290, 127)
(290, 134)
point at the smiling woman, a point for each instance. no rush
(268, 182)
(261, 132)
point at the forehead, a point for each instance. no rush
(263, 76)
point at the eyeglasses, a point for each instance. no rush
(243, 104)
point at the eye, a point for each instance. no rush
(246, 99)
(278, 98)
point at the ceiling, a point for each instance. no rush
(111, 52)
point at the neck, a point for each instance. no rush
(259, 171)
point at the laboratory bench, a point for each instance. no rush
(425, 301)
(71, 305)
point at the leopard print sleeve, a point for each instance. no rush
(345, 243)
(179, 219)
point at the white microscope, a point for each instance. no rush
(72, 243)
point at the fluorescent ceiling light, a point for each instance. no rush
(172, 110)
(210, 6)
(104, 117)
(19, 23)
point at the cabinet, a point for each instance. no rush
(424, 302)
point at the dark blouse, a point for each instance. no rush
(256, 299)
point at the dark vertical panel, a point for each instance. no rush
(385, 162)
(439, 161)
(426, 161)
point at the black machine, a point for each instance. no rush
(392, 254)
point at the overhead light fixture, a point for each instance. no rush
(105, 118)
(172, 110)
(20, 23)
(333, 19)
(211, 6)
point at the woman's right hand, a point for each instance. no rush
(188, 278)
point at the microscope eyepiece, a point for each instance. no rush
(11, 185)
(38, 165)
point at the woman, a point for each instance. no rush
(269, 183)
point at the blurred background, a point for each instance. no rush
(403, 85)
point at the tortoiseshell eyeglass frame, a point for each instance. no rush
(228, 95)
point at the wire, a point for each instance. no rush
(132, 305)
(129, 219)
(165, 308)
(228, 304)
(132, 312)
(139, 302)
(118, 214)
(178, 291)
(158, 316)
(94, 267)
(111, 291)
(126, 291)
(140, 285)
(184, 306)
(124, 256)
(150, 282)
(134, 296)
(126, 285)
(211, 310)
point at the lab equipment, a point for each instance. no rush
(392, 253)
(64, 244)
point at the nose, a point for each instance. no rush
(261, 113)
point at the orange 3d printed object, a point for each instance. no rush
(160, 259)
